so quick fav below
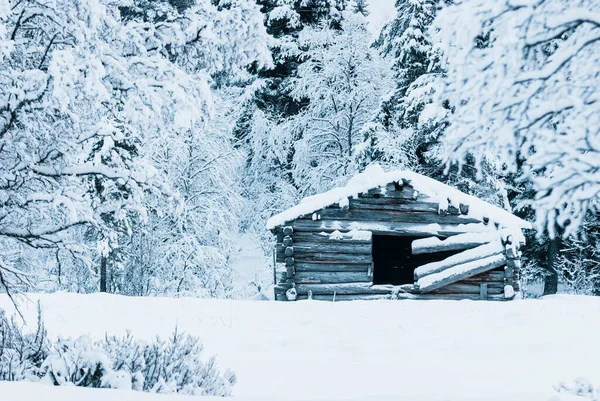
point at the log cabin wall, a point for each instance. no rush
(328, 255)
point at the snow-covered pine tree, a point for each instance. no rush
(360, 6)
(343, 79)
(408, 122)
(406, 131)
(268, 176)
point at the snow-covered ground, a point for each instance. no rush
(364, 350)
(251, 268)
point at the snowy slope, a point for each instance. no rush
(371, 351)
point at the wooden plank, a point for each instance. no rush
(331, 277)
(335, 213)
(332, 257)
(455, 297)
(491, 275)
(468, 288)
(326, 238)
(354, 297)
(455, 243)
(331, 267)
(393, 204)
(311, 247)
(459, 272)
(342, 289)
(466, 256)
(389, 228)
(483, 291)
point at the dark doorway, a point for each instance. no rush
(393, 261)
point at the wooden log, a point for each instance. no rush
(515, 264)
(280, 277)
(332, 257)
(492, 275)
(393, 216)
(331, 277)
(326, 238)
(399, 205)
(280, 289)
(289, 261)
(455, 297)
(289, 271)
(389, 228)
(343, 289)
(459, 272)
(289, 251)
(512, 252)
(302, 266)
(463, 288)
(354, 297)
(469, 255)
(288, 230)
(312, 247)
(287, 241)
(455, 243)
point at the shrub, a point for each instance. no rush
(581, 387)
(158, 366)
(21, 353)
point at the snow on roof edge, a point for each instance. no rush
(374, 176)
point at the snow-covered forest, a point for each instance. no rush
(145, 143)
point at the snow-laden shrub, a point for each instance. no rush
(83, 363)
(169, 366)
(21, 351)
(175, 365)
(581, 387)
(159, 366)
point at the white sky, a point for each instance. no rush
(381, 11)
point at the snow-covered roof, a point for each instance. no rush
(374, 177)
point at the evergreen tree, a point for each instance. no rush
(360, 7)
(406, 131)
(269, 168)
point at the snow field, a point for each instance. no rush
(400, 350)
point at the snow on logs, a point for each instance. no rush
(459, 272)
(454, 243)
(470, 255)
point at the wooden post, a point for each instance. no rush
(483, 291)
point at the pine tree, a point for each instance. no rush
(360, 7)
(269, 168)
(407, 129)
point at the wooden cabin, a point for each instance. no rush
(396, 235)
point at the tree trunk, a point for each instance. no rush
(551, 279)
(103, 274)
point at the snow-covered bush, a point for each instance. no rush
(581, 387)
(159, 366)
(80, 362)
(21, 352)
(175, 365)
(168, 366)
